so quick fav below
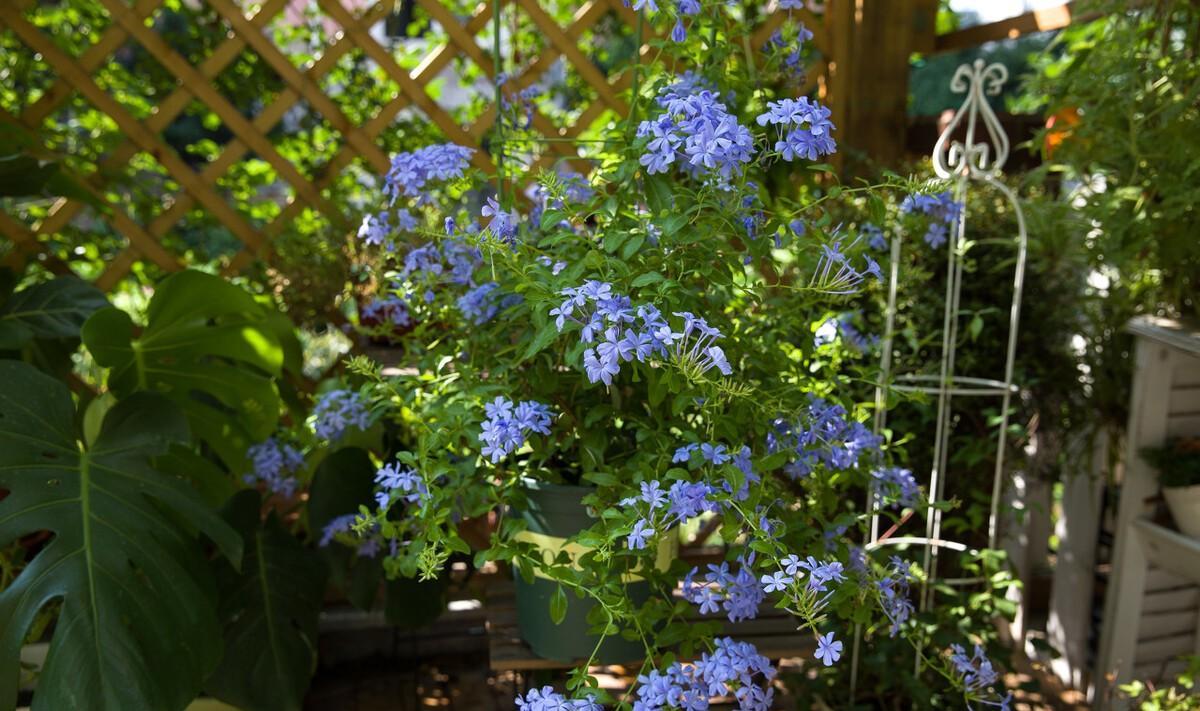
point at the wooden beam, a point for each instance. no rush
(1044, 20)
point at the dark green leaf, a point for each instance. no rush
(268, 614)
(209, 347)
(138, 627)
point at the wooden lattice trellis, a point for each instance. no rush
(198, 186)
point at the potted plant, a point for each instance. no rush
(642, 355)
(1178, 464)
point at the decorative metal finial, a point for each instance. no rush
(973, 158)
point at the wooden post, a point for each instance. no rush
(872, 41)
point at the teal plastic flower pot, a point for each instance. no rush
(556, 512)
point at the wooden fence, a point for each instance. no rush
(844, 36)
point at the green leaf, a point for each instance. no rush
(44, 320)
(53, 309)
(647, 279)
(558, 606)
(674, 223)
(412, 603)
(344, 481)
(550, 218)
(209, 347)
(658, 194)
(544, 337)
(269, 614)
(138, 627)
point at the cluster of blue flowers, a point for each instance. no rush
(737, 593)
(508, 424)
(399, 483)
(273, 464)
(666, 507)
(731, 668)
(793, 60)
(836, 275)
(823, 435)
(547, 699)
(943, 211)
(338, 410)
(366, 547)
(454, 262)
(519, 103)
(898, 484)
(392, 310)
(805, 130)
(893, 594)
(504, 224)
(411, 172)
(717, 454)
(978, 674)
(874, 236)
(697, 133)
(481, 304)
(600, 312)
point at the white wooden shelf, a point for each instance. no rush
(1170, 550)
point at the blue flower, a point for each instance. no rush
(774, 582)
(480, 305)
(341, 524)
(893, 594)
(976, 671)
(829, 650)
(936, 235)
(874, 235)
(697, 133)
(399, 483)
(411, 172)
(338, 410)
(273, 464)
(376, 231)
(600, 370)
(547, 699)
(804, 128)
(503, 227)
(714, 454)
(678, 33)
(899, 484)
(507, 425)
(684, 453)
(638, 536)
(653, 494)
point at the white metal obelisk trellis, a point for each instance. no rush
(975, 158)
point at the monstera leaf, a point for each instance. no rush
(209, 347)
(42, 323)
(137, 627)
(268, 613)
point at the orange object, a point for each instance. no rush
(1059, 127)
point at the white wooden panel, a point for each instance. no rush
(1183, 426)
(1187, 372)
(1184, 400)
(1165, 648)
(1162, 579)
(1167, 624)
(1168, 600)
